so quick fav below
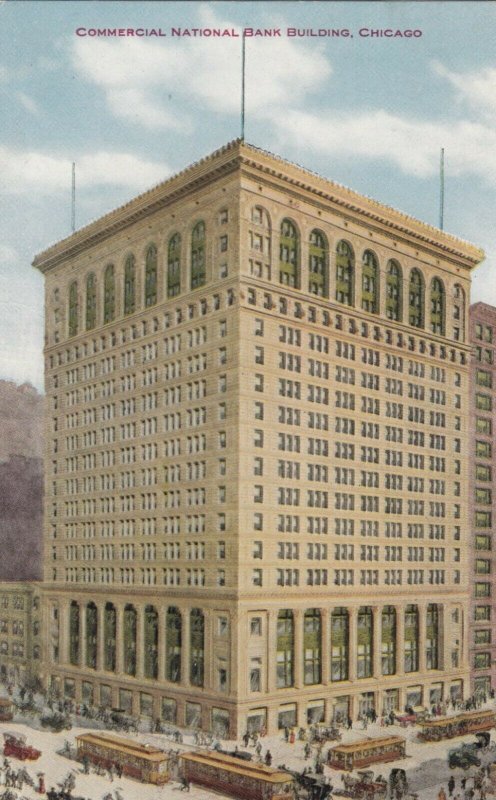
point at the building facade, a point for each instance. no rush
(256, 452)
(20, 631)
(483, 384)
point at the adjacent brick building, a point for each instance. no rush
(483, 497)
(20, 631)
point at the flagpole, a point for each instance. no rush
(441, 191)
(243, 63)
(73, 198)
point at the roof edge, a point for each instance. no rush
(224, 160)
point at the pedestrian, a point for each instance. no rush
(291, 736)
(118, 769)
(451, 784)
(441, 795)
(307, 750)
(246, 739)
(258, 749)
(268, 758)
(349, 723)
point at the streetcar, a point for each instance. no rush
(141, 761)
(240, 779)
(369, 751)
(434, 730)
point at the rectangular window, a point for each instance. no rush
(483, 402)
(483, 449)
(482, 613)
(483, 378)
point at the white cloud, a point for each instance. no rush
(8, 255)
(28, 103)
(23, 171)
(134, 105)
(478, 89)
(154, 83)
(411, 145)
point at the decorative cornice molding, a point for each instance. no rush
(236, 155)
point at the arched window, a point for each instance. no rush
(285, 649)
(388, 641)
(416, 299)
(130, 285)
(73, 309)
(90, 301)
(197, 646)
(312, 646)
(74, 633)
(370, 282)
(289, 255)
(91, 635)
(345, 273)
(151, 642)
(318, 264)
(151, 276)
(432, 637)
(365, 642)
(198, 266)
(394, 290)
(411, 639)
(259, 216)
(109, 294)
(110, 632)
(438, 306)
(130, 640)
(458, 313)
(174, 266)
(340, 651)
(173, 645)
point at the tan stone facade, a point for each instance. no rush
(257, 430)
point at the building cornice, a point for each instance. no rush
(217, 165)
(360, 206)
(239, 155)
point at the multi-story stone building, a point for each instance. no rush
(483, 464)
(20, 631)
(256, 452)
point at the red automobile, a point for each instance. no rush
(15, 746)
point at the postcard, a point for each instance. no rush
(248, 327)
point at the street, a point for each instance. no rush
(425, 765)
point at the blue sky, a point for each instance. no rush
(368, 112)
